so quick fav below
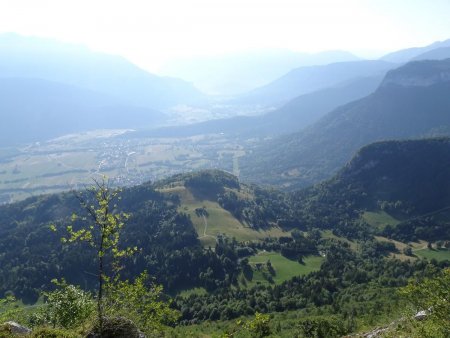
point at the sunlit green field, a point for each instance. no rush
(379, 219)
(218, 221)
(284, 268)
(438, 254)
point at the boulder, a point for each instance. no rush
(16, 328)
(421, 315)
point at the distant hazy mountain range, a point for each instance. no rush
(435, 54)
(50, 88)
(326, 86)
(412, 101)
(419, 53)
(79, 66)
(237, 73)
(305, 80)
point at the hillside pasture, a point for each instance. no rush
(218, 220)
(379, 219)
(285, 268)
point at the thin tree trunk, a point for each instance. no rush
(100, 287)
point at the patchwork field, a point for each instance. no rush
(72, 161)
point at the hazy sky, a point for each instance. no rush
(149, 32)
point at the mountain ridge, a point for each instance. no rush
(77, 65)
(236, 73)
(406, 55)
(305, 80)
(407, 180)
(391, 112)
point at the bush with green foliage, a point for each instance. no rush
(115, 327)
(259, 326)
(142, 302)
(10, 310)
(66, 307)
(321, 327)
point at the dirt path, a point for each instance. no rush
(205, 221)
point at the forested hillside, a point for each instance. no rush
(407, 180)
(223, 249)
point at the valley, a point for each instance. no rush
(70, 162)
(306, 195)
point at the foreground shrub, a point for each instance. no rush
(142, 302)
(66, 307)
(322, 327)
(432, 297)
(11, 310)
(115, 327)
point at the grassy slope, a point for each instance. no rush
(329, 234)
(438, 254)
(219, 221)
(419, 249)
(285, 268)
(379, 219)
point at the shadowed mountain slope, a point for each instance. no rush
(411, 102)
(37, 110)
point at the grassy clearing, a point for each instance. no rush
(193, 291)
(400, 246)
(420, 250)
(379, 219)
(438, 254)
(284, 268)
(218, 221)
(329, 234)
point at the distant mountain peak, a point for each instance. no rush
(419, 74)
